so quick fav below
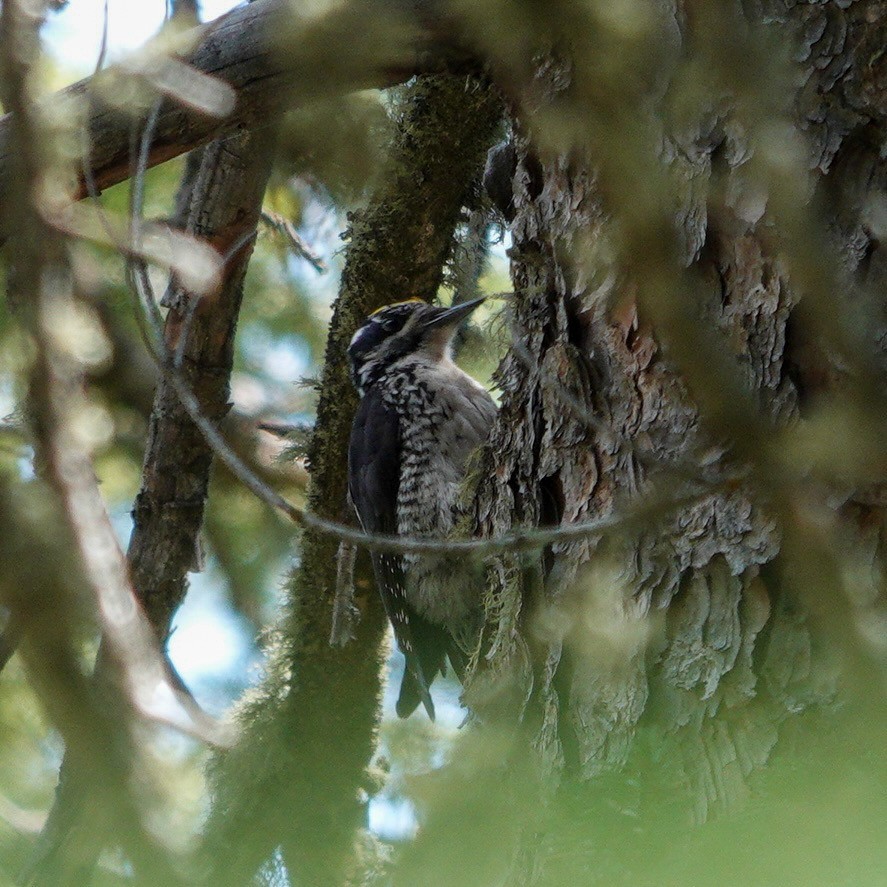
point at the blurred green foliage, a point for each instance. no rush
(813, 816)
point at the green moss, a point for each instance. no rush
(310, 730)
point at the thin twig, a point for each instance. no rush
(296, 241)
(284, 430)
(103, 46)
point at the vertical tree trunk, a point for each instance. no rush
(297, 779)
(681, 619)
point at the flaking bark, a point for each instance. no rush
(686, 623)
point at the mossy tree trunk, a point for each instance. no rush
(296, 780)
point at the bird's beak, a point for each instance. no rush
(452, 317)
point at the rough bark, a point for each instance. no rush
(224, 207)
(295, 778)
(273, 60)
(686, 622)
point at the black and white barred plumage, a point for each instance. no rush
(419, 419)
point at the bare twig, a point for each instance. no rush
(297, 243)
(284, 430)
(581, 410)
(103, 46)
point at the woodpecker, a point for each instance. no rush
(419, 419)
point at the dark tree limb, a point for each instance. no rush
(224, 208)
(271, 59)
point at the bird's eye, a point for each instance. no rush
(391, 324)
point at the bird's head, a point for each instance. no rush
(405, 328)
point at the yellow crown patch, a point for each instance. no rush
(395, 304)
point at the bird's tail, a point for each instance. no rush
(413, 690)
(414, 687)
(425, 662)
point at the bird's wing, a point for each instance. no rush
(373, 481)
(472, 415)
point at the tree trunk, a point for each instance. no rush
(656, 362)
(297, 780)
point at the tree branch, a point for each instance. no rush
(271, 59)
